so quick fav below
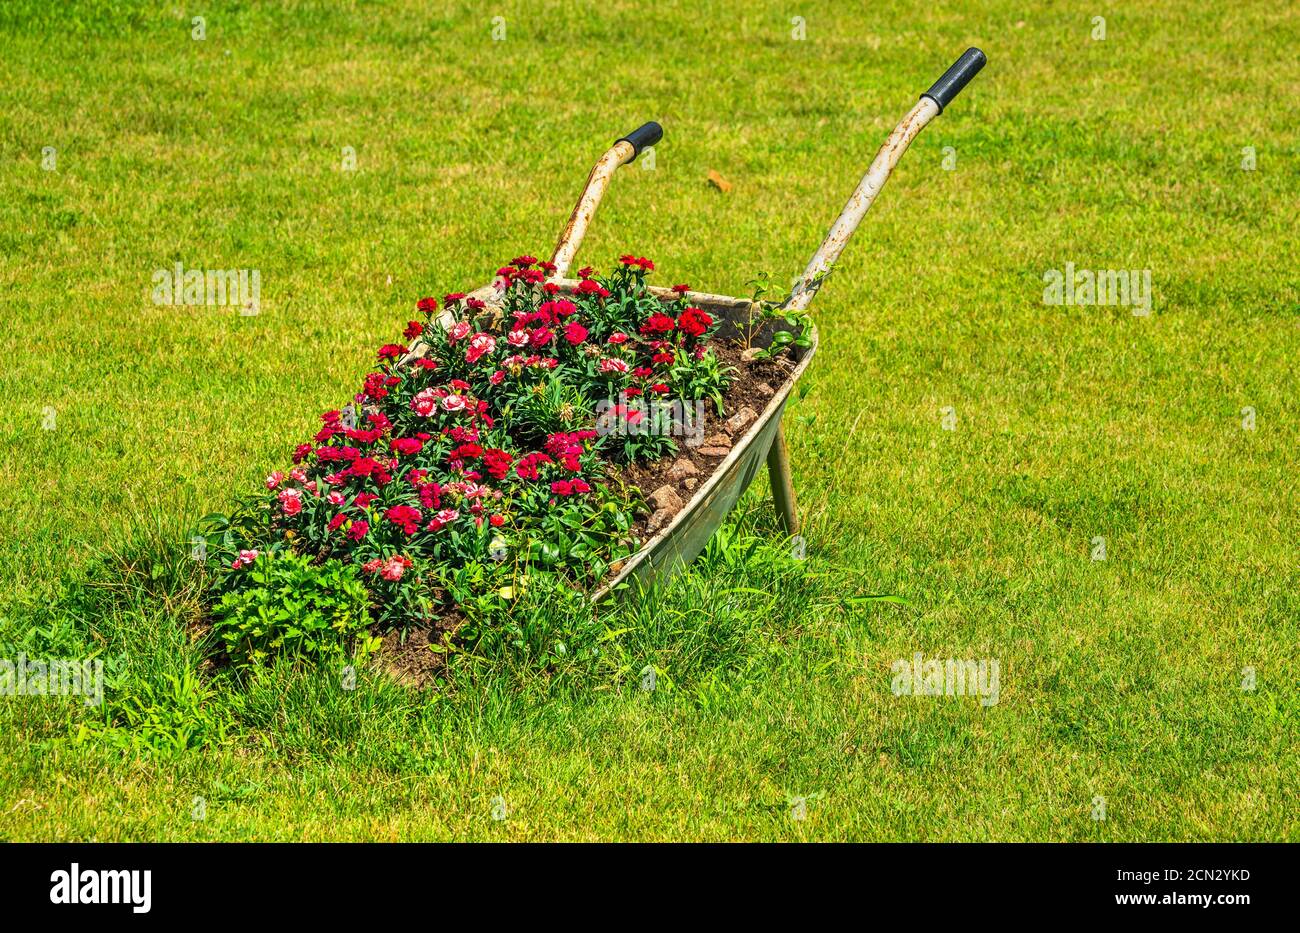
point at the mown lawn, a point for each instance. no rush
(1162, 679)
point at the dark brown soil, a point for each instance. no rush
(411, 661)
(743, 391)
(749, 375)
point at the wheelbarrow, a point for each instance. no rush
(682, 539)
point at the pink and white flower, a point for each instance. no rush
(290, 501)
(479, 346)
(613, 365)
(425, 403)
(459, 331)
(393, 568)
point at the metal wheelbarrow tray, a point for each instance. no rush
(682, 539)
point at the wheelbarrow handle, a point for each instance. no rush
(643, 137)
(624, 150)
(927, 108)
(956, 77)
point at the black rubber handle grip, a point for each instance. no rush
(647, 134)
(955, 78)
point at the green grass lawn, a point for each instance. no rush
(1126, 679)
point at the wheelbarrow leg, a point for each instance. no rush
(778, 471)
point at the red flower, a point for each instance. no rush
(427, 305)
(413, 330)
(586, 272)
(337, 521)
(496, 521)
(452, 298)
(431, 496)
(392, 351)
(658, 323)
(540, 337)
(358, 530)
(694, 322)
(527, 467)
(562, 487)
(497, 462)
(365, 498)
(523, 262)
(466, 452)
(374, 387)
(405, 446)
(681, 289)
(479, 346)
(592, 287)
(404, 517)
(575, 333)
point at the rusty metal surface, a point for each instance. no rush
(686, 535)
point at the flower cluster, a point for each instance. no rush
(474, 444)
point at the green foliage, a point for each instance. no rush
(546, 622)
(180, 714)
(290, 606)
(704, 378)
(787, 329)
(550, 406)
(582, 544)
(482, 590)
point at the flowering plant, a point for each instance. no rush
(473, 452)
